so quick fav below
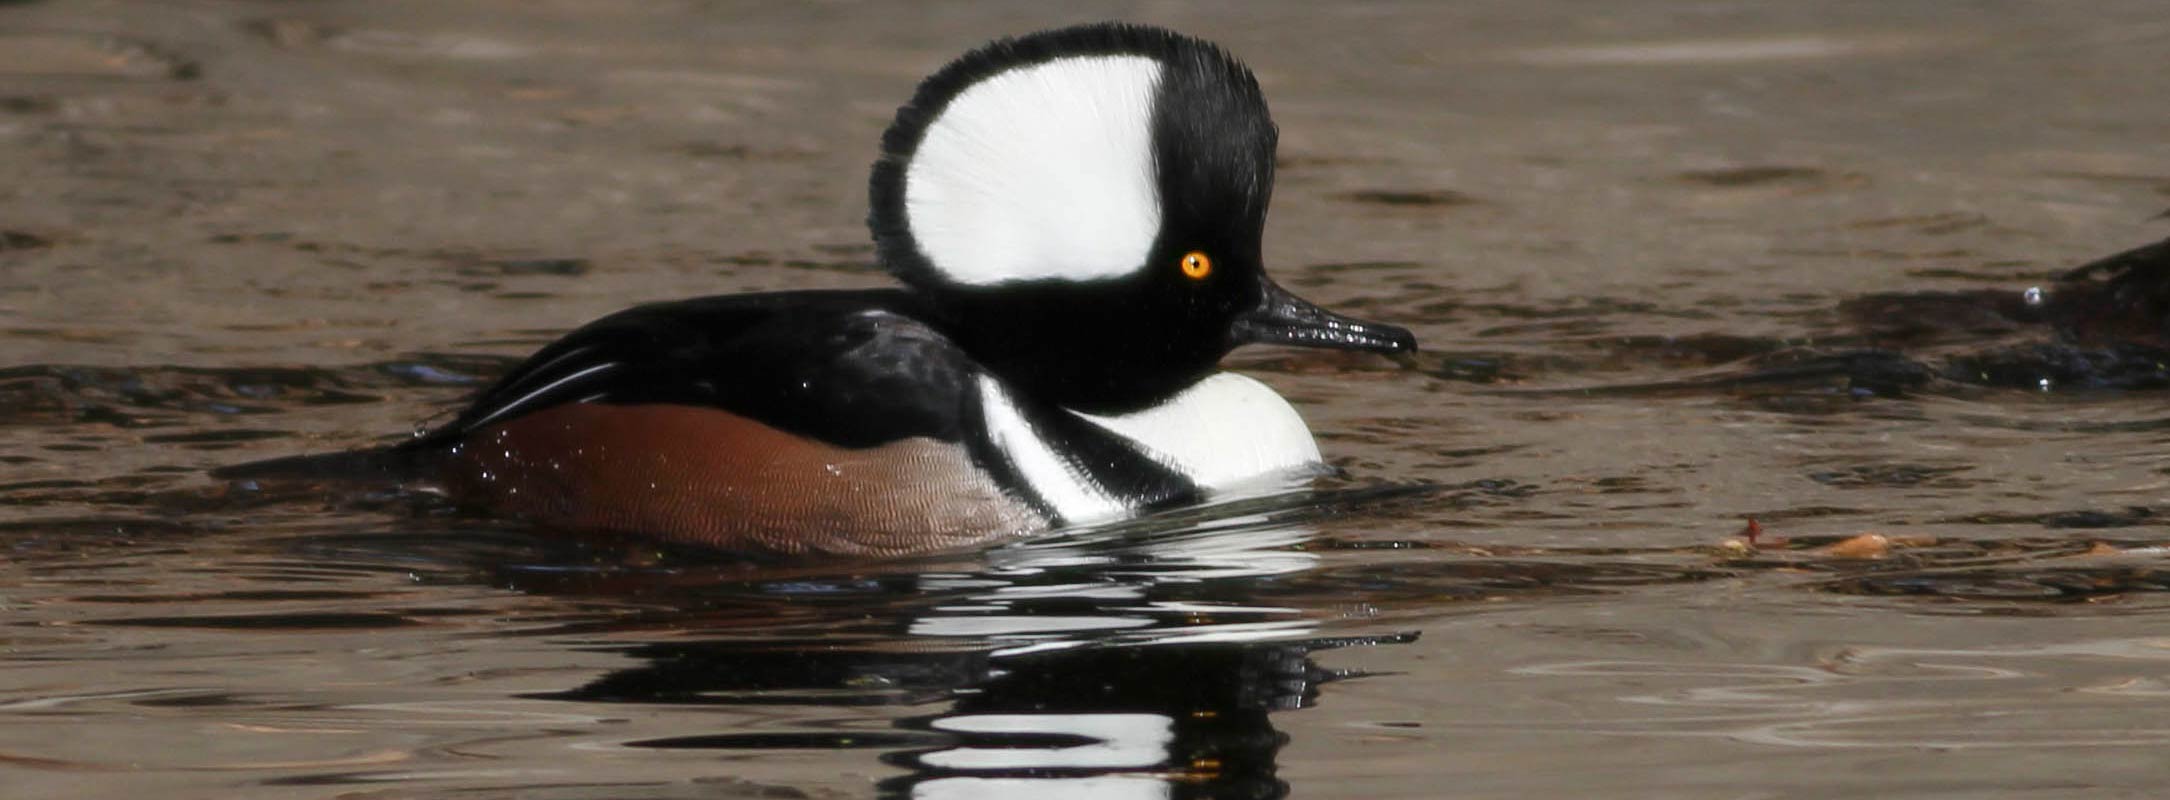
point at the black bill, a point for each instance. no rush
(1283, 318)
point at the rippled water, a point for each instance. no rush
(1677, 266)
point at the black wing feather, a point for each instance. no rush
(856, 369)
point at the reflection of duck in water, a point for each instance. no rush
(1105, 665)
(1174, 720)
(1149, 720)
(1078, 216)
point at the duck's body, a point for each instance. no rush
(831, 422)
(1076, 215)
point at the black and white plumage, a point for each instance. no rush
(1076, 215)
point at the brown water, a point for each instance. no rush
(1627, 234)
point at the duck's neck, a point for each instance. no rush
(1090, 353)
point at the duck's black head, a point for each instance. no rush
(1085, 207)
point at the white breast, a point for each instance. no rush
(1222, 432)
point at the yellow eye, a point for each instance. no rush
(1197, 266)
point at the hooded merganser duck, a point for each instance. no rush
(1076, 216)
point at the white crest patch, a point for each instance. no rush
(1060, 484)
(1222, 432)
(1044, 171)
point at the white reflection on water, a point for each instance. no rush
(1121, 570)
(1104, 787)
(1119, 740)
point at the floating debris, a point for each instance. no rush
(1863, 547)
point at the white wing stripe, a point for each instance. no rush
(531, 374)
(1060, 484)
(538, 393)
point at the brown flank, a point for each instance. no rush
(709, 477)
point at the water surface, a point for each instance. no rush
(1666, 259)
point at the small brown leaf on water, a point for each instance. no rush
(1864, 546)
(2102, 549)
(1746, 542)
(1751, 530)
